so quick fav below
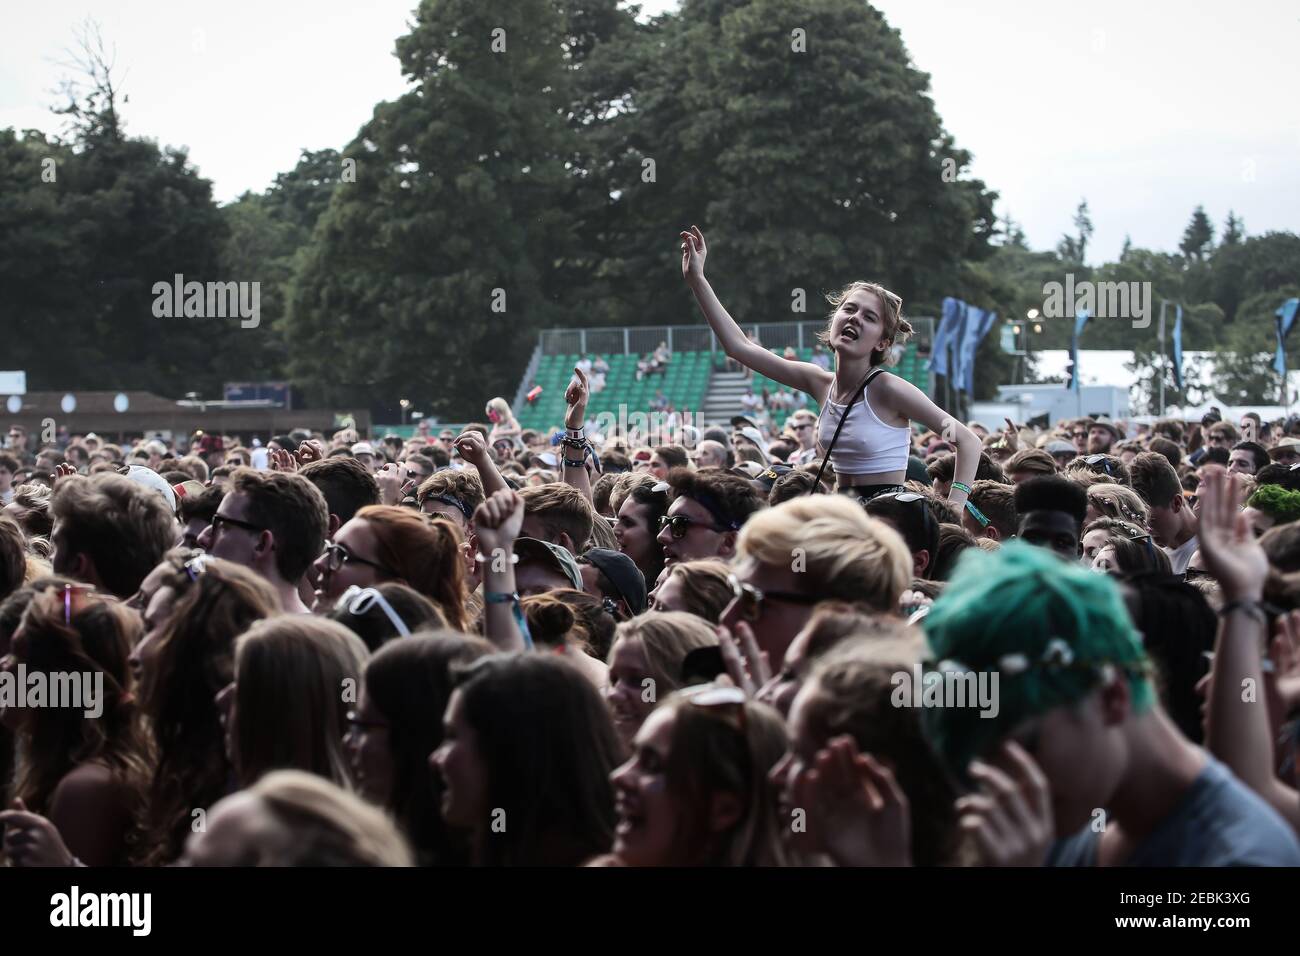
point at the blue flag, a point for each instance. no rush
(1080, 320)
(978, 323)
(1178, 347)
(1285, 319)
(953, 310)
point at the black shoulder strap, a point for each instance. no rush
(861, 389)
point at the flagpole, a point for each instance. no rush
(1164, 303)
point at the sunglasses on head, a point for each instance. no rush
(1098, 459)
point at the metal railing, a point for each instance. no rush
(640, 340)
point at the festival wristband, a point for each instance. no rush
(1253, 609)
(961, 486)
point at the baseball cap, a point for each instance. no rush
(622, 573)
(756, 437)
(363, 448)
(151, 479)
(535, 549)
(742, 421)
(769, 476)
(1060, 448)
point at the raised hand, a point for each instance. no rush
(389, 479)
(694, 252)
(310, 451)
(1227, 543)
(62, 471)
(283, 460)
(1011, 817)
(859, 814)
(497, 522)
(576, 396)
(472, 448)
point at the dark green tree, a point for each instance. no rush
(1198, 237)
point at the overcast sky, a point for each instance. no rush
(1146, 108)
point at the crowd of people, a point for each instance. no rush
(879, 638)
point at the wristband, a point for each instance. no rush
(483, 558)
(512, 598)
(1253, 609)
(575, 464)
(961, 486)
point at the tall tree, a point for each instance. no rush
(1198, 237)
(1234, 230)
(431, 274)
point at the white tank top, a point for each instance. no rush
(867, 446)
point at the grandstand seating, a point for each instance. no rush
(685, 384)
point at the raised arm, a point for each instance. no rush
(911, 403)
(473, 449)
(1238, 731)
(804, 376)
(575, 426)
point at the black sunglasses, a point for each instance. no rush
(681, 525)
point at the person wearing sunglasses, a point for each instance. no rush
(706, 515)
(694, 791)
(908, 513)
(386, 611)
(806, 550)
(389, 543)
(273, 523)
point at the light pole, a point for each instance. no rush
(405, 403)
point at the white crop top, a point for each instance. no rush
(867, 446)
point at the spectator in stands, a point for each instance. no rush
(803, 425)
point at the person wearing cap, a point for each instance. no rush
(707, 512)
(1286, 451)
(614, 576)
(364, 452)
(1102, 434)
(543, 567)
(1063, 451)
(749, 435)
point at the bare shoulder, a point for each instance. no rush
(87, 783)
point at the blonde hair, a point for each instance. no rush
(502, 408)
(894, 329)
(325, 825)
(666, 637)
(706, 586)
(841, 551)
(624, 485)
(1119, 501)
